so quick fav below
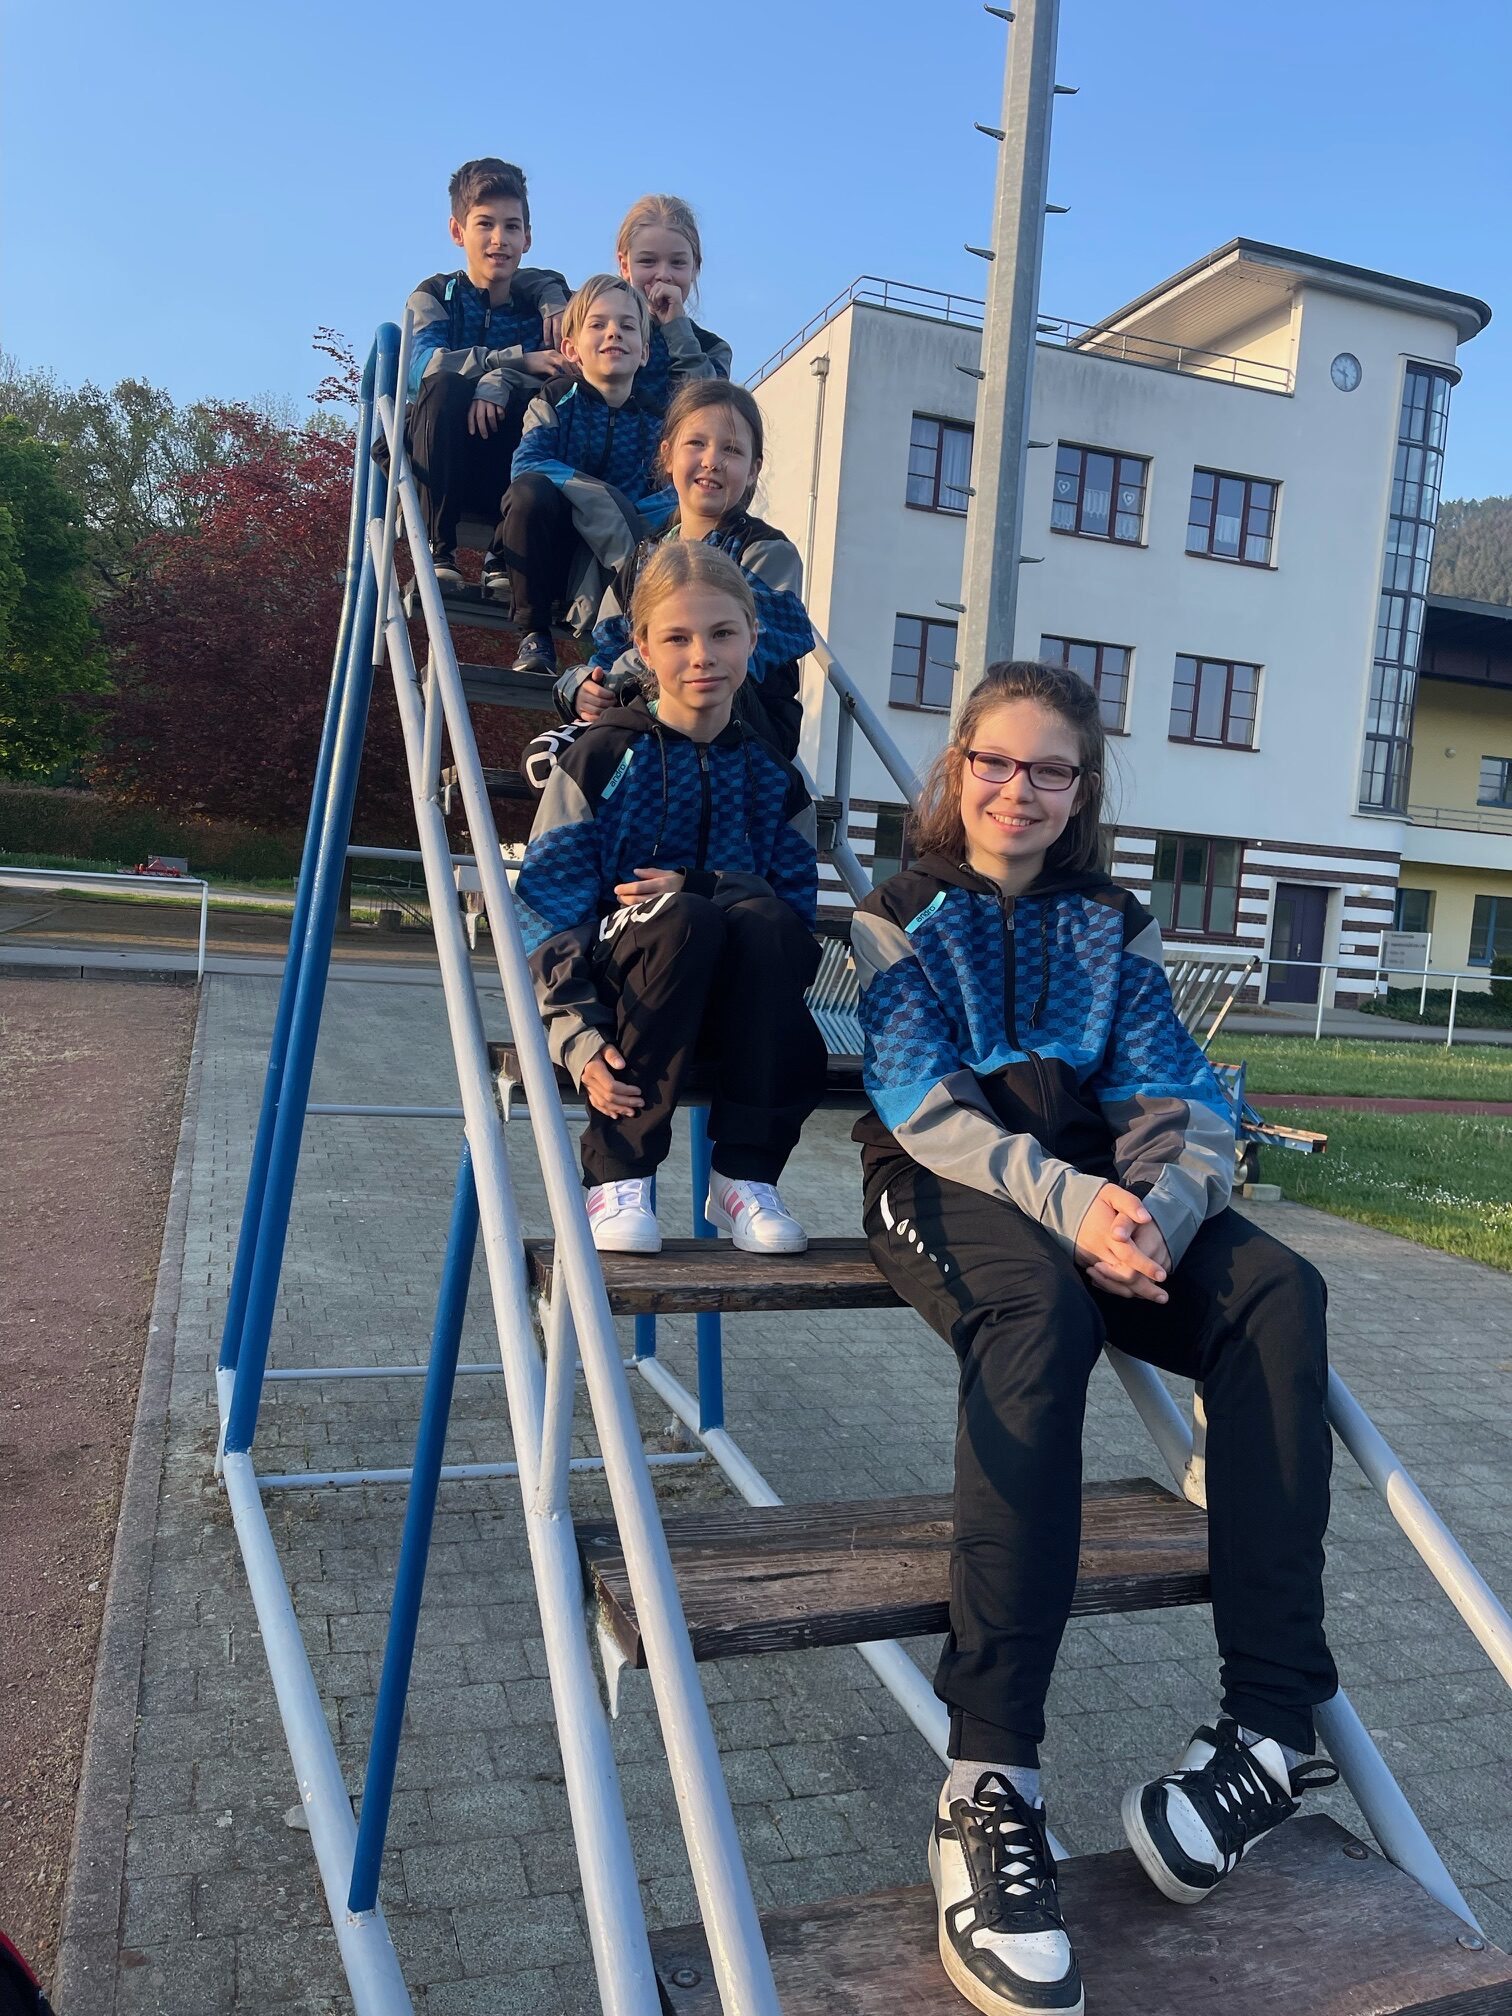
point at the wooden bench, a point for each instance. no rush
(778, 1578)
(1314, 1924)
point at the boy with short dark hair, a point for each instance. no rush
(584, 487)
(481, 344)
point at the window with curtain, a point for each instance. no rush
(939, 465)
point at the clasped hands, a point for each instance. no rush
(1121, 1247)
(605, 1092)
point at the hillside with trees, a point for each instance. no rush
(1472, 555)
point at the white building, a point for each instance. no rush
(1228, 525)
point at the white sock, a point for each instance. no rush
(1293, 1757)
(965, 1772)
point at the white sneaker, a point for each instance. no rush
(1003, 1941)
(1192, 1827)
(753, 1215)
(621, 1217)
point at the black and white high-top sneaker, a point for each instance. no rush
(1192, 1827)
(1002, 1941)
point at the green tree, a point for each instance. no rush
(127, 454)
(50, 662)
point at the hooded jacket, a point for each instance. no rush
(457, 328)
(632, 793)
(768, 703)
(1028, 1047)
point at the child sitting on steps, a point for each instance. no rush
(711, 453)
(582, 489)
(1047, 1169)
(667, 900)
(659, 251)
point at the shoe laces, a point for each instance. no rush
(1234, 1793)
(1008, 1854)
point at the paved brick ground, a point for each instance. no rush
(222, 1909)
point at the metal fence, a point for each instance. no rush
(88, 878)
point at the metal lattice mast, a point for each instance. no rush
(994, 522)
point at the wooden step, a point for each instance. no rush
(504, 786)
(842, 1084)
(756, 1578)
(1313, 1924)
(497, 686)
(691, 1275)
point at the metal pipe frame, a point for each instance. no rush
(414, 1546)
(246, 1244)
(742, 1969)
(616, 1923)
(367, 1950)
(451, 1473)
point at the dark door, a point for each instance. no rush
(1297, 934)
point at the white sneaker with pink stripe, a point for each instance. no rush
(622, 1218)
(753, 1215)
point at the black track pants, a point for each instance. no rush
(692, 980)
(1246, 1316)
(459, 475)
(535, 542)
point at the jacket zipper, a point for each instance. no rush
(608, 449)
(1010, 1001)
(705, 807)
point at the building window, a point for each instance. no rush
(1414, 910)
(1491, 930)
(1422, 425)
(1231, 517)
(887, 848)
(1098, 494)
(1196, 884)
(1105, 667)
(923, 663)
(939, 465)
(1214, 702)
(1495, 781)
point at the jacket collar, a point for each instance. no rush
(636, 717)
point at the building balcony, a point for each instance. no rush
(964, 311)
(1463, 818)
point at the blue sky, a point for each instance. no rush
(190, 190)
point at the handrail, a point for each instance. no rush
(88, 878)
(1462, 818)
(717, 1864)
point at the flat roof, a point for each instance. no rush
(1468, 313)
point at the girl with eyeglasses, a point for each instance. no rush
(1047, 1168)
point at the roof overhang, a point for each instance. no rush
(1216, 295)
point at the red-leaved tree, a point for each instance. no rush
(221, 641)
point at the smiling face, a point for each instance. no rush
(494, 237)
(712, 463)
(659, 254)
(606, 345)
(1011, 827)
(697, 641)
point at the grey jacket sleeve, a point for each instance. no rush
(689, 358)
(932, 1103)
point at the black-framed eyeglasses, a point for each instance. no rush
(1044, 776)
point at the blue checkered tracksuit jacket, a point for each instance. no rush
(631, 793)
(1028, 1048)
(457, 328)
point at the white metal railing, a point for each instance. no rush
(1374, 980)
(1462, 818)
(92, 878)
(1094, 339)
(579, 1327)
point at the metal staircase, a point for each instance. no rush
(1347, 1928)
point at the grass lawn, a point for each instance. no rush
(1425, 1176)
(1354, 1067)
